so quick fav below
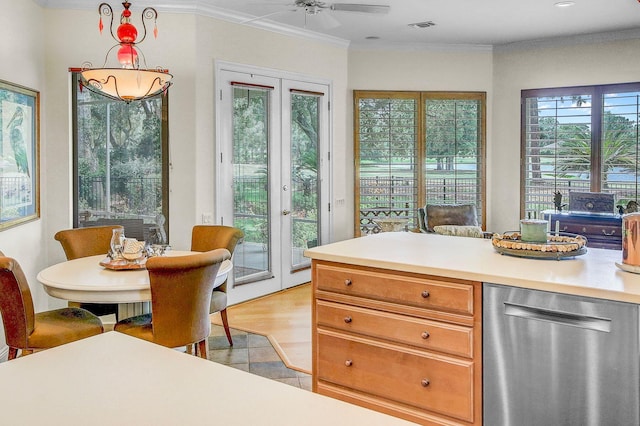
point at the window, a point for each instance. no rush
(120, 169)
(579, 139)
(414, 148)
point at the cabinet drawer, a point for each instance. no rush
(404, 290)
(587, 229)
(436, 383)
(422, 333)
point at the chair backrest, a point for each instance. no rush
(181, 289)
(450, 214)
(211, 237)
(16, 304)
(84, 242)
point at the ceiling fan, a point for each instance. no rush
(314, 7)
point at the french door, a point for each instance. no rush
(273, 148)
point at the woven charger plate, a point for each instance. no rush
(123, 265)
(538, 253)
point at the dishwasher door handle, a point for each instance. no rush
(558, 317)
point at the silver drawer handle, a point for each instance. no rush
(348, 363)
(425, 335)
(424, 383)
(563, 229)
(425, 294)
(348, 319)
(584, 230)
(608, 235)
(347, 282)
(558, 317)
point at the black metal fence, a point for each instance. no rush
(139, 196)
(396, 196)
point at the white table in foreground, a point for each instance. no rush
(166, 387)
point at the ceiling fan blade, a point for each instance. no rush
(322, 21)
(257, 18)
(363, 8)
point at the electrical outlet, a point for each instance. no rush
(207, 218)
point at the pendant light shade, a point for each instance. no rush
(129, 82)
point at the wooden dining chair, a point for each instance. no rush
(85, 242)
(211, 237)
(28, 331)
(180, 297)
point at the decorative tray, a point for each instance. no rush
(557, 246)
(123, 264)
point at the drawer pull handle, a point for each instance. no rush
(563, 229)
(348, 319)
(347, 282)
(608, 235)
(348, 363)
(424, 383)
(584, 230)
(425, 294)
(425, 335)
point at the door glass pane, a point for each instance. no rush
(304, 176)
(251, 259)
(120, 163)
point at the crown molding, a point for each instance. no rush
(569, 41)
(199, 7)
(417, 47)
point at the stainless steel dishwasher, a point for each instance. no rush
(552, 359)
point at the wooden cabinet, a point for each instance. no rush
(601, 230)
(401, 343)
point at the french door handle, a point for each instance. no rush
(286, 212)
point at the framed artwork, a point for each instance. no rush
(19, 155)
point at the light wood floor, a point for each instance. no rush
(284, 317)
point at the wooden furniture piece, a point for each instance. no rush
(210, 237)
(601, 230)
(401, 343)
(181, 289)
(83, 242)
(84, 280)
(26, 330)
(138, 383)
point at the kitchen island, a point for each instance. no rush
(397, 317)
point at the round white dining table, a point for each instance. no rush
(85, 280)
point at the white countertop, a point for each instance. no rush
(593, 274)
(113, 379)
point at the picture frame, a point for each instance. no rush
(19, 155)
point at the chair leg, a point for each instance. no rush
(13, 353)
(201, 349)
(225, 324)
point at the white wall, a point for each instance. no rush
(22, 62)
(529, 67)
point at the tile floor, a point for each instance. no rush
(253, 353)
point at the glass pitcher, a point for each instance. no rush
(117, 242)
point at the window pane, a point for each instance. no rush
(387, 135)
(619, 149)
(452, 160)
(119, 163)
(557, 151)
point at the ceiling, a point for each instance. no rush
(457, 22)
(461, 23)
